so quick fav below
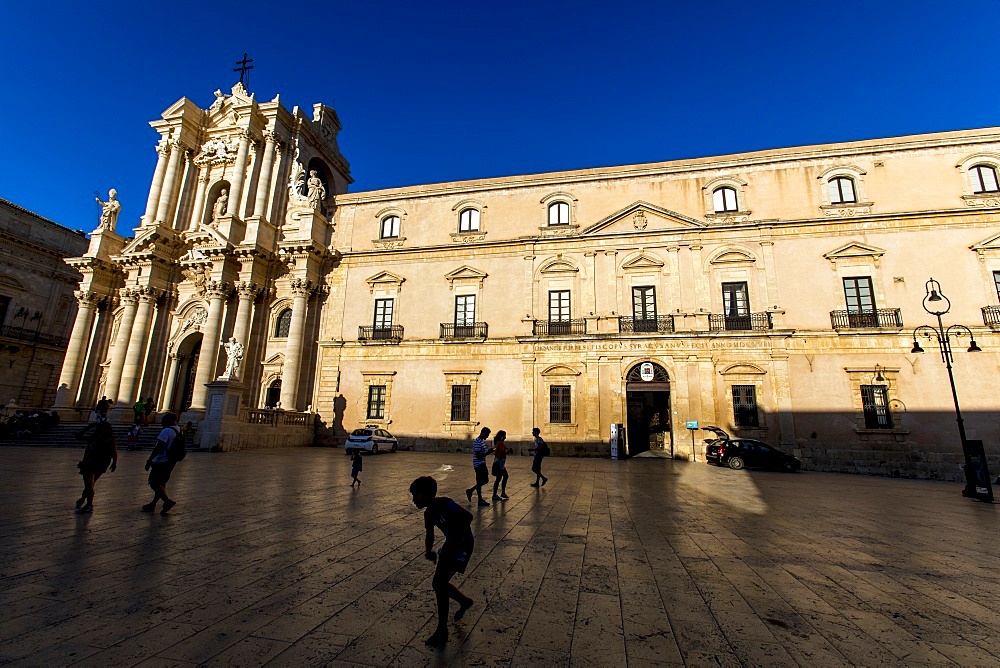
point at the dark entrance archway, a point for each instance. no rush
(188, 370)
(647, 409)
(273, 394)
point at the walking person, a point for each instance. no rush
(101, 408)
(455, 523)
(541, 451)
(500, 465)
(132, 437)
(479, 452)
(101, 452)
(160, 464)
(138, 411)
(356, 467)
(147, 411)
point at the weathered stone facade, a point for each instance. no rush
(37, 307)
(773, 294)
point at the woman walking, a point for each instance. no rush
(101, 452)
(500, 465)
(541, 451)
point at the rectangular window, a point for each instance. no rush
(383, 313)
(735, 300)
(996, 281)
(461, 403)
(559, 306)
(4, 305)
(860, 298)
(376, 402)
(559, 406)
(745, 405)
(644, 303)
(559, 213)
(875, 399)
(465, 310)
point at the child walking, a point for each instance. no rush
(455, 523)
(500, 465)
(356, 467)
(479, 453)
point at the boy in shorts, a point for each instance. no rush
(454, 522)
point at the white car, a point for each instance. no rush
(371, 439)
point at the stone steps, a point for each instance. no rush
(63, 435)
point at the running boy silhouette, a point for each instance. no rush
(454, 522)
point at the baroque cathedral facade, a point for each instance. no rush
(771, 294)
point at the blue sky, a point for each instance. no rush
(442, 91)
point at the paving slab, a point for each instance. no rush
(271, 557)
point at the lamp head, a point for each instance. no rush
(879, 376)
(973, 348)
(916, 347)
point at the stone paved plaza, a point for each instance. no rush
(270, 557)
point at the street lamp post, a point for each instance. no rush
(977, 475)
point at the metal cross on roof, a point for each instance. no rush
(244, 70)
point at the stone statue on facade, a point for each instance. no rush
(109, 211)
(234, 355)
(297, 183)
(219, 209)
(316, 190)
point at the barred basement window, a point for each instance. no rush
(461, 403)
(745, 405)
(875, 399)
(559, 404)
(376, 402)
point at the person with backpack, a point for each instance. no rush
(541, 451)
(101, 452)
(169, 450)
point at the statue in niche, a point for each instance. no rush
(234, 355)
(219, 210)
(296, 183)
(316, 190)
(109, 211)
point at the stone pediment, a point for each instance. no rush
(854, 251)
(151, 238)
(276, 359)
(385, 279)
(181, 107)
(743, 369)
(989, 247)
(560, 370)
(642, 217)
(733, 256)
(467, 274)
(642, 261)
(205, 237)
(10, 283)
(558, 265)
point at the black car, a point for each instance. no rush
(737, 453)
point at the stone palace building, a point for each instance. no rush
(773, 294)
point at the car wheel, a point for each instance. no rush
(374, 448)
(394, 446)
(736, 463)
(789, 466)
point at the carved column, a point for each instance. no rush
(198, 213)
(247, 292)
(79, 340)
(264, 182)
(189, 172)
(136, 353)
(293, 348)
(209, 356)
(167, 193)
(129, 300)
(157, 186)
(239, 174)
(167, 398)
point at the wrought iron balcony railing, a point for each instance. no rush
(392, 334)
(991, 316)
(559, 327)
(717, 322)
(658, 323)
(476, 330)
(34, 336)
(888, 318)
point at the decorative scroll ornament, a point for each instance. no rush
(196, 320)
(216, 152)
(198, 276)
(639, 220)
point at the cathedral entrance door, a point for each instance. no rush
(188, 371)
(647, 401)
(273, 394)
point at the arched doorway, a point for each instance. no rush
(647, 401)
(188, 371)
(273, 395)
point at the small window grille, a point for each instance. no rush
(461, 403)
(745, 406)
(875, 399)
(559, 404)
